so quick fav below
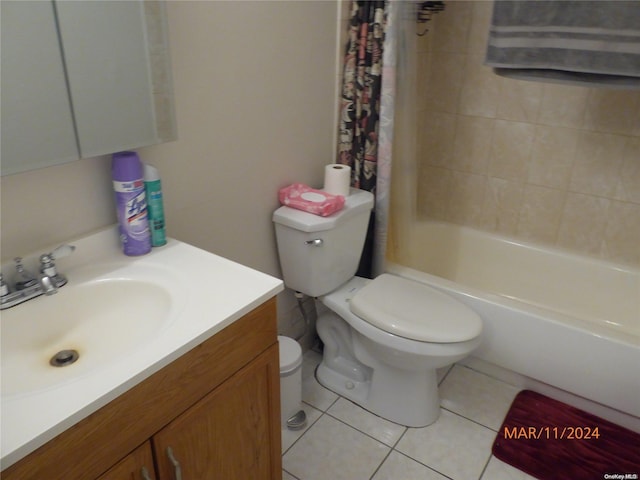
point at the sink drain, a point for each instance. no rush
(64, 358)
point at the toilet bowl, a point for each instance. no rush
(393, 376)
(383, 338)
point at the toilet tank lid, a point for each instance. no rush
(357, 201)
(410, 309)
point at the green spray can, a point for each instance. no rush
(155, 208)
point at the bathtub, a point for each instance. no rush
(563, 320)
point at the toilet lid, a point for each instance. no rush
(416, 311)
(290, 354)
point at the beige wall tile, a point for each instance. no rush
(612, 111)
(540, 213)
(502, 202)
(563, 105)
(628, 188)
(423, 66)
(584, 218)
(424, 41)
(511, 150)
(480, 89)
(533, 145)
(436, 138)
(479, 30)
(450, 28)
(466, 198)
(444, 82)
(472, 144)
(519, 100)
(597, 164)
(434, 192)
(552, 156)
(622, 234)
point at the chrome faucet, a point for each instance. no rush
(47, 285)
(28, 286)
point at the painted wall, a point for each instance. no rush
(554, 164)
(255, 84)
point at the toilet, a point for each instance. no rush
(383, 338)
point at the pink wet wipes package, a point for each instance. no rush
(303, 197)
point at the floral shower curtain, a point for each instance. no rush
(361, 86)
(361, 105)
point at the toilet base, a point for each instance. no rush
(406, 398)
(391, 376)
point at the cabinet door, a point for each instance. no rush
(232, 433)
(109, 73)
(37, 124)
(138, 465)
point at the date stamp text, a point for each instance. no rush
(551, 433)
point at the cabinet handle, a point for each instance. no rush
(177, 471)
(145, 474)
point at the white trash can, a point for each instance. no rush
(292, 415)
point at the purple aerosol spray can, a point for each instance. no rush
(131, 203)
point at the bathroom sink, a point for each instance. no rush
(104, 318)
(127, 317)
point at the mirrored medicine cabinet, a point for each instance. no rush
(82, 79)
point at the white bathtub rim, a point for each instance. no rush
(582, 286)
(553, 250)
(560, 318)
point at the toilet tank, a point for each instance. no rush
(318, 254)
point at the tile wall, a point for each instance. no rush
(548, 163)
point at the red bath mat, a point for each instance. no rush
(551, 440)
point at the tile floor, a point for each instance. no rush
(345, 442)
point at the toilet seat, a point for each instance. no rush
(415, 311)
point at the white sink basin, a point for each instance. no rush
(127, 317)
(104, 320)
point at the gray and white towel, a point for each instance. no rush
(588, 42)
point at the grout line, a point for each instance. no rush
(360, 431)
(423, 464)
(381, 463)
(488, 375)
(289, 473)
(446, 375)
(470, 419)
(485, 466)
(304, 432)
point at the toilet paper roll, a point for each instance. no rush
(337, 179)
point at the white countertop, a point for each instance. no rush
(213, 291)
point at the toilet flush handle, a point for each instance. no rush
(316, 242)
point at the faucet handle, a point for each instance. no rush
(24, 278)
(48, 267)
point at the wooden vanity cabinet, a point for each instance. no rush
(138, 465)
(223, 436)
(217, 408)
